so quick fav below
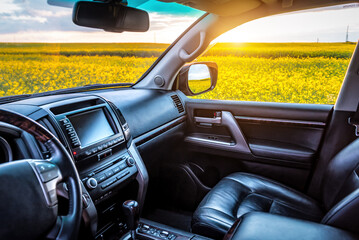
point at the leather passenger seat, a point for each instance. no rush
(241, 193)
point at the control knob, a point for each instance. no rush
(91, 183)
(130, 161)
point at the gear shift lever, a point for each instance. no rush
(131, 210)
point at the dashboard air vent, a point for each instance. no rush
(178, 104)
(125, 127)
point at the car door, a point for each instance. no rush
(280, 139)
(271, 113)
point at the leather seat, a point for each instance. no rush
(241, 193)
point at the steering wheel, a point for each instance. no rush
(28, 200)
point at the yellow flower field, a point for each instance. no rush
(291, 72)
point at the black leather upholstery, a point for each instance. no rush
(340, 189)
(345, 214)
(241, 193)
(264, 226)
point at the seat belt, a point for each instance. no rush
(354, 121)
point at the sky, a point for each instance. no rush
(198, 72)
(36, 21)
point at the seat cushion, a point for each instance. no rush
(241, 193)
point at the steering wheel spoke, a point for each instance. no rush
(29, 187)
(48, 175)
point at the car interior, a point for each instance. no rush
(147, 161)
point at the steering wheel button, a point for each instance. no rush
(52, 196)
(49, 175)
(44, 167)
(41, 168)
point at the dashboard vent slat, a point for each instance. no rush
(178, 104)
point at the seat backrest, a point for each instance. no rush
(340, 189)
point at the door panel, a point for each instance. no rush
(275, 140)
(287, 132)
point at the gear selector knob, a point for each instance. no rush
(131, 210)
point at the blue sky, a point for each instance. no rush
(35, 21)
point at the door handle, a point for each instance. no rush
(227, 120)
(215, 120)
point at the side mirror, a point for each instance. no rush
(110, 16)
(197, 78)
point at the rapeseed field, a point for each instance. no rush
(270, 72)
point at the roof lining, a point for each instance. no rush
(230, 8)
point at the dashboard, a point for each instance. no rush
(102, 131)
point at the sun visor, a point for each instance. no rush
(224, 7)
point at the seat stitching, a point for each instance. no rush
(217, 211)
(268, 180)
(239, 201)
(270, 206)
(213, 228)
(306, 212)
(252, 192)
(336, 200)
(283, 203)
(275, 183)
(336, 212)
(211, 217)
(240, 183)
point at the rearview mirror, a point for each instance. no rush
(197, 78)
(110, 16)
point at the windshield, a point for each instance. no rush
(41, 49)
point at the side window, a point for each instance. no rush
(292, 58)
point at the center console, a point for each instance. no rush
(142, 229)
(149, 230)
(110, 168)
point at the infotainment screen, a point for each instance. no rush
(91, 126)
